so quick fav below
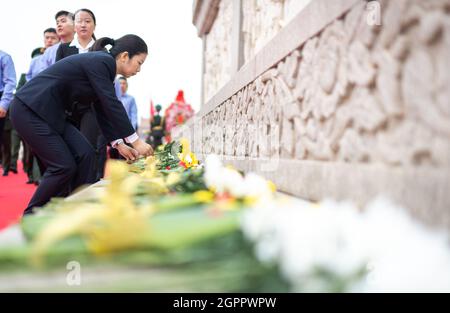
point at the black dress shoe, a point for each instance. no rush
(14, 171)
(30, 181)
(5, 173)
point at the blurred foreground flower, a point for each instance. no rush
(225, 180)
(187, 157)
(335, 247)
(113, 224)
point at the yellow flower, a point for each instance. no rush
(63, 226)
(120, 190)
(272, 186)
(185, 149)
(189, 160)
(204, 196)
(151, 160)
(250, 201)
(114, 223)
(150, 168)
(173, 178)
(155, 186)
(187, 157)
(114, 232)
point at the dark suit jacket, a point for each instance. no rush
(76, 110)
(64, 51)
(83, 78)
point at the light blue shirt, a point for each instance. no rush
(34, 67)
(7, 79)
(128, 103)
(130, 106)
(117, 88)
(47, 59)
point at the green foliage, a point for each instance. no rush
(168, 156)
(191, 180)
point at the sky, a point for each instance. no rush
(175, 50)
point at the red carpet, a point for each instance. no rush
(14, 196)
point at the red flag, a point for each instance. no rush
(152, 110)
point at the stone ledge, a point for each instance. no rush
(425, 194)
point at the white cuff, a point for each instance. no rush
(130, 139)
(116, 142)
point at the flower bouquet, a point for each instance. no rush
(209, 228)
(149, 216)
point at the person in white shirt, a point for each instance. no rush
(84, 38)
(84, 27)
(81, 115)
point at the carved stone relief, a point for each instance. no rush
(218, 51)
(262, 20)
(353, 93)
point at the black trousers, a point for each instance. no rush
(28, 161)
(15, 147)
(68, 158)
(86, 122)
(101, 156)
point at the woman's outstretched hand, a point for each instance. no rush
(127, 152)
(142, 148)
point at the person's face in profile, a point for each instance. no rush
(130, 66)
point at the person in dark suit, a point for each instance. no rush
(38, 114)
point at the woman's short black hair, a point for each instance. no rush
(129, 43)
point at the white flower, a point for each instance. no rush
(212, 163)
(406, 256)
(402, 254)
(257, 187)
(225, 179)
(233, 182)
(213, 172)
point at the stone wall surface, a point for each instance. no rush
(263, 19)
(218, 51)
(355, 111)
